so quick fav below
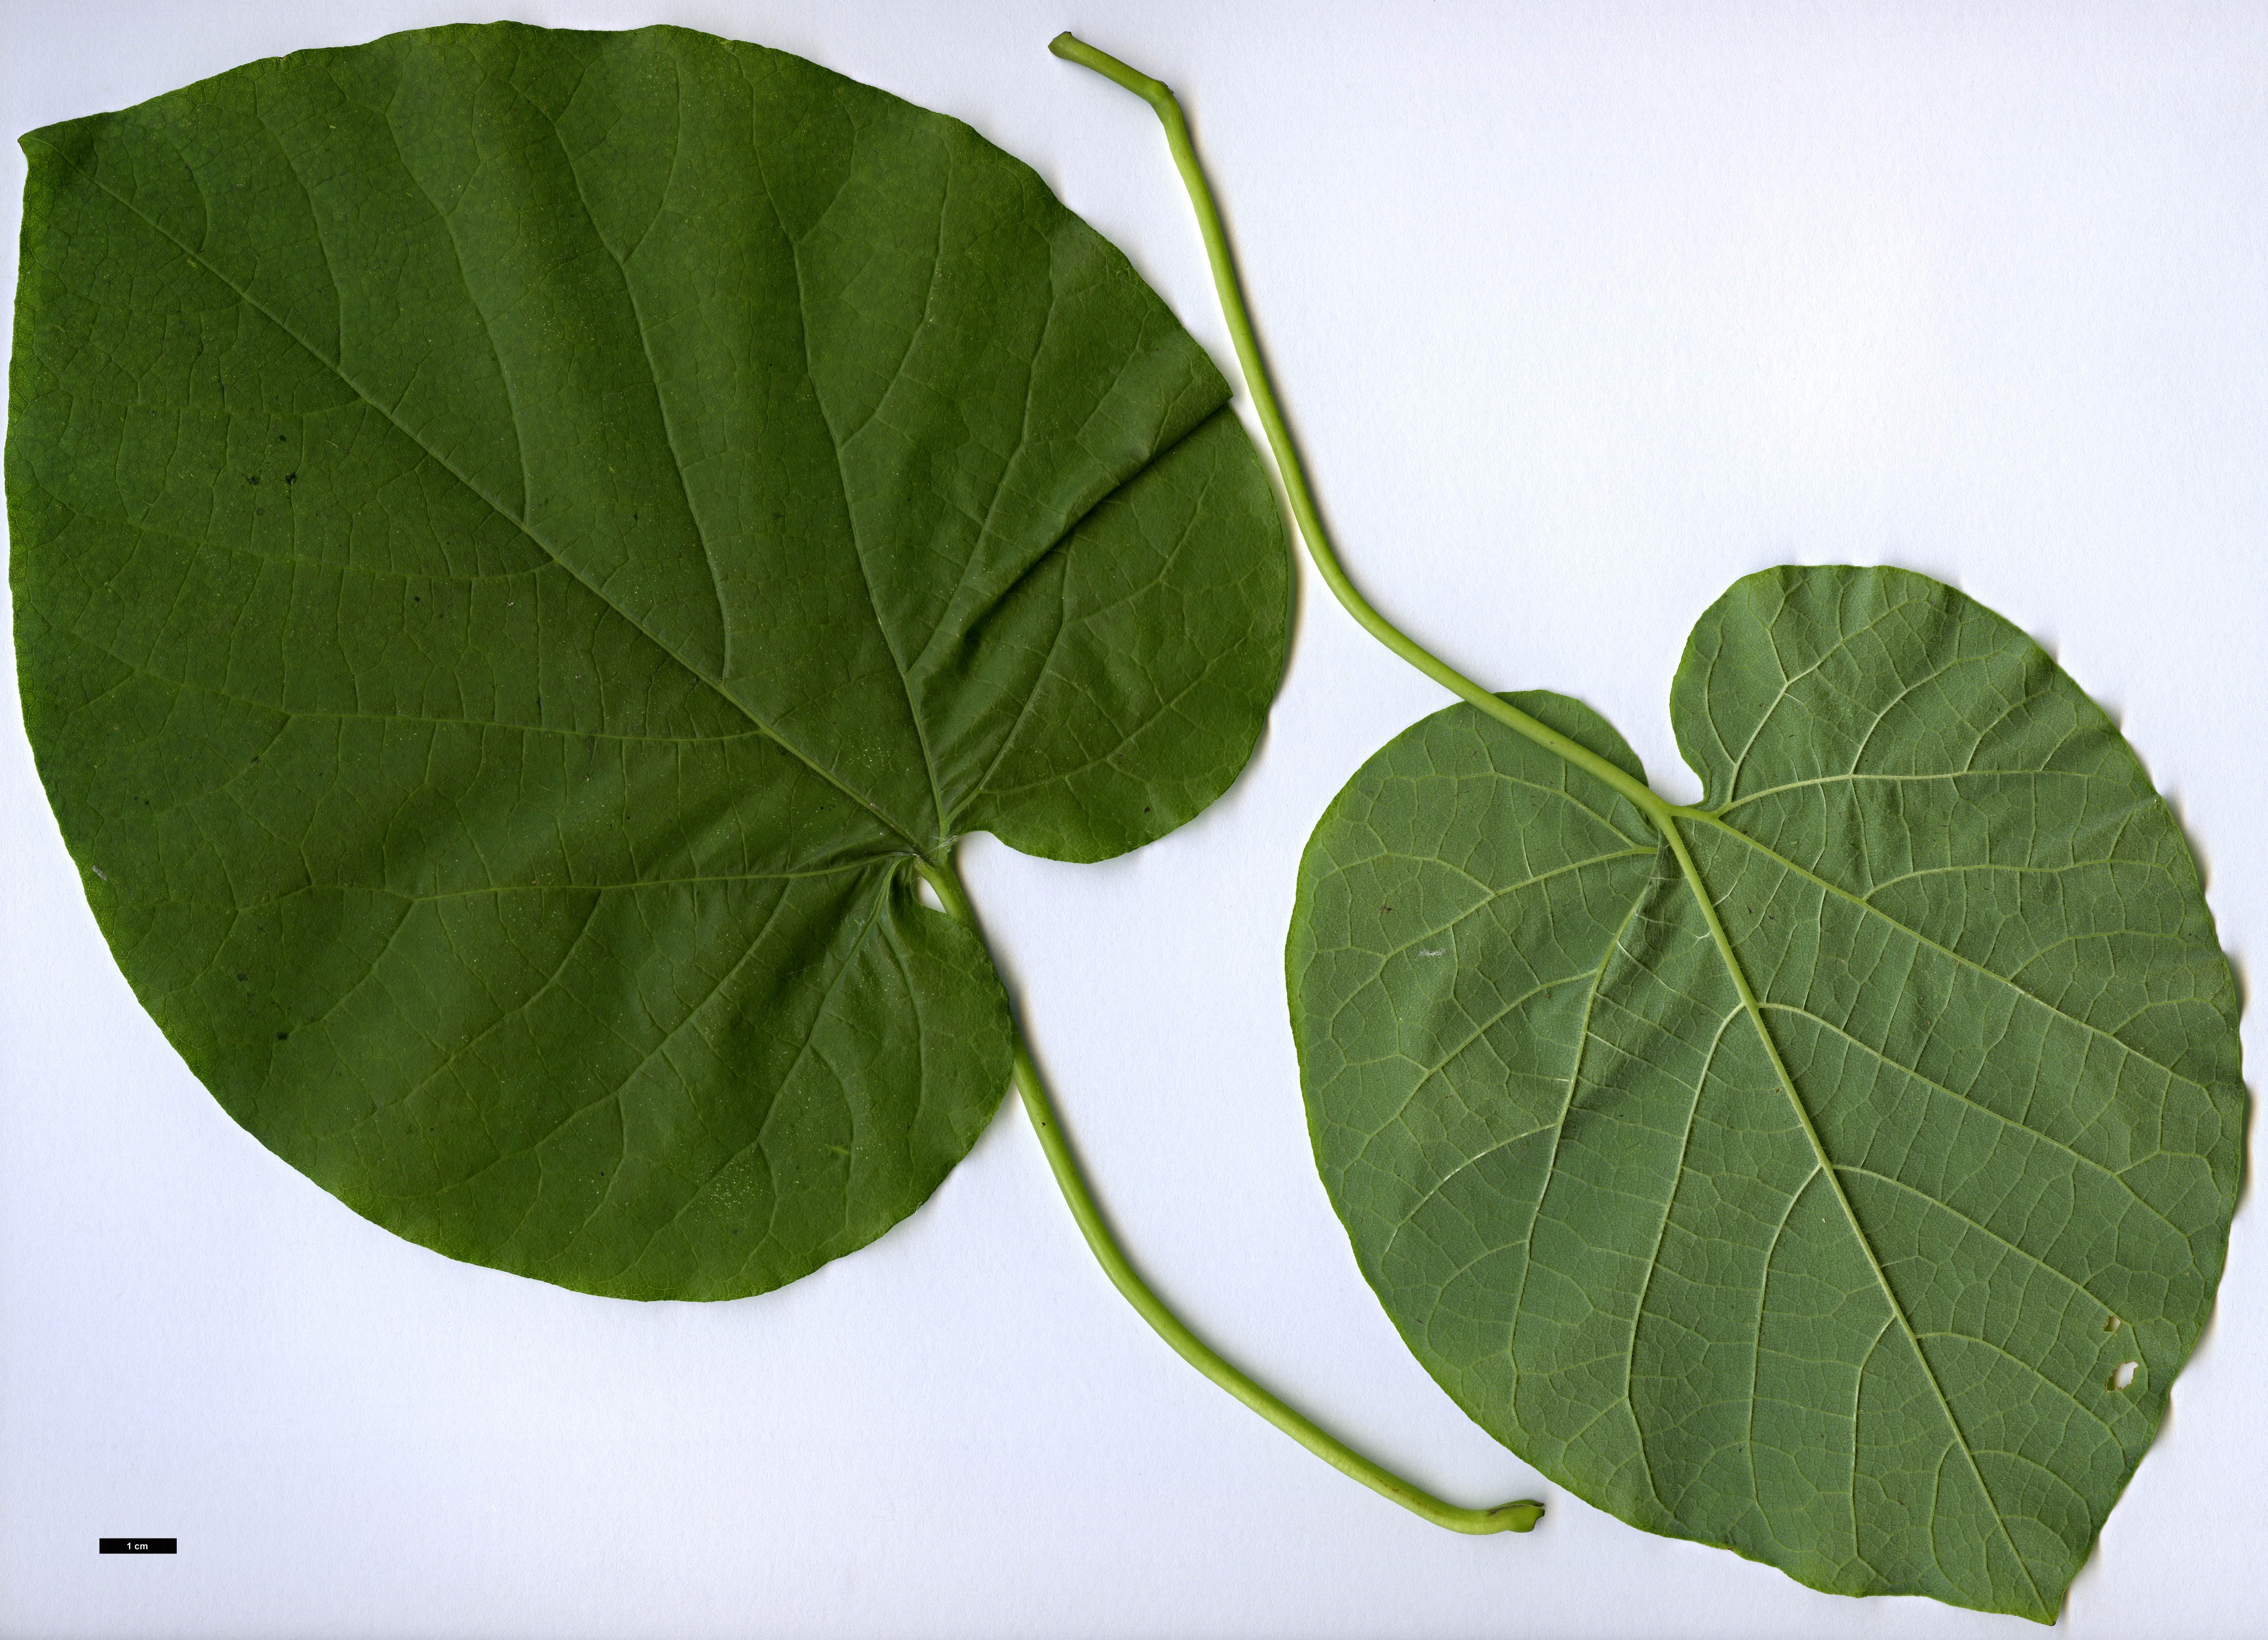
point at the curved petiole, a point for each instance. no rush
(1304, 511)
(1516, 1516)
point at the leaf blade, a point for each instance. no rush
(1958, 1172)
(509, 572)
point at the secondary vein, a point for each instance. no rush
(339, 369)
(1723, 944)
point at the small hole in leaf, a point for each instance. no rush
(2123, 1375)
(2110, 1326)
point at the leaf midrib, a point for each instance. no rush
(1665, 816)
(716, 686)
(1695, 882)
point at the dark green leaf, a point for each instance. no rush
(519, 539)
(1861, 1310)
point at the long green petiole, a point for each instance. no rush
(1516, 1516)
(1304, 511)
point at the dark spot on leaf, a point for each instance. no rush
(253, 479)
(280, 1036)
(291, 478)
(244, 976)
(280, 439)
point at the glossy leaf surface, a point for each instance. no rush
(1845, 1280)
(520, 539)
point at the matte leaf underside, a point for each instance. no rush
(1844, 1280)
(520, 538)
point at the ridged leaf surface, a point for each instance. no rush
(518, 539)
(1847, 1277)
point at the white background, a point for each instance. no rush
(1582, 311)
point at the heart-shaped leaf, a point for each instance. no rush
(521, 539)
(1849, 1199)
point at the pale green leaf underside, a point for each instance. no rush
(518, 539)
(1862, 1322)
